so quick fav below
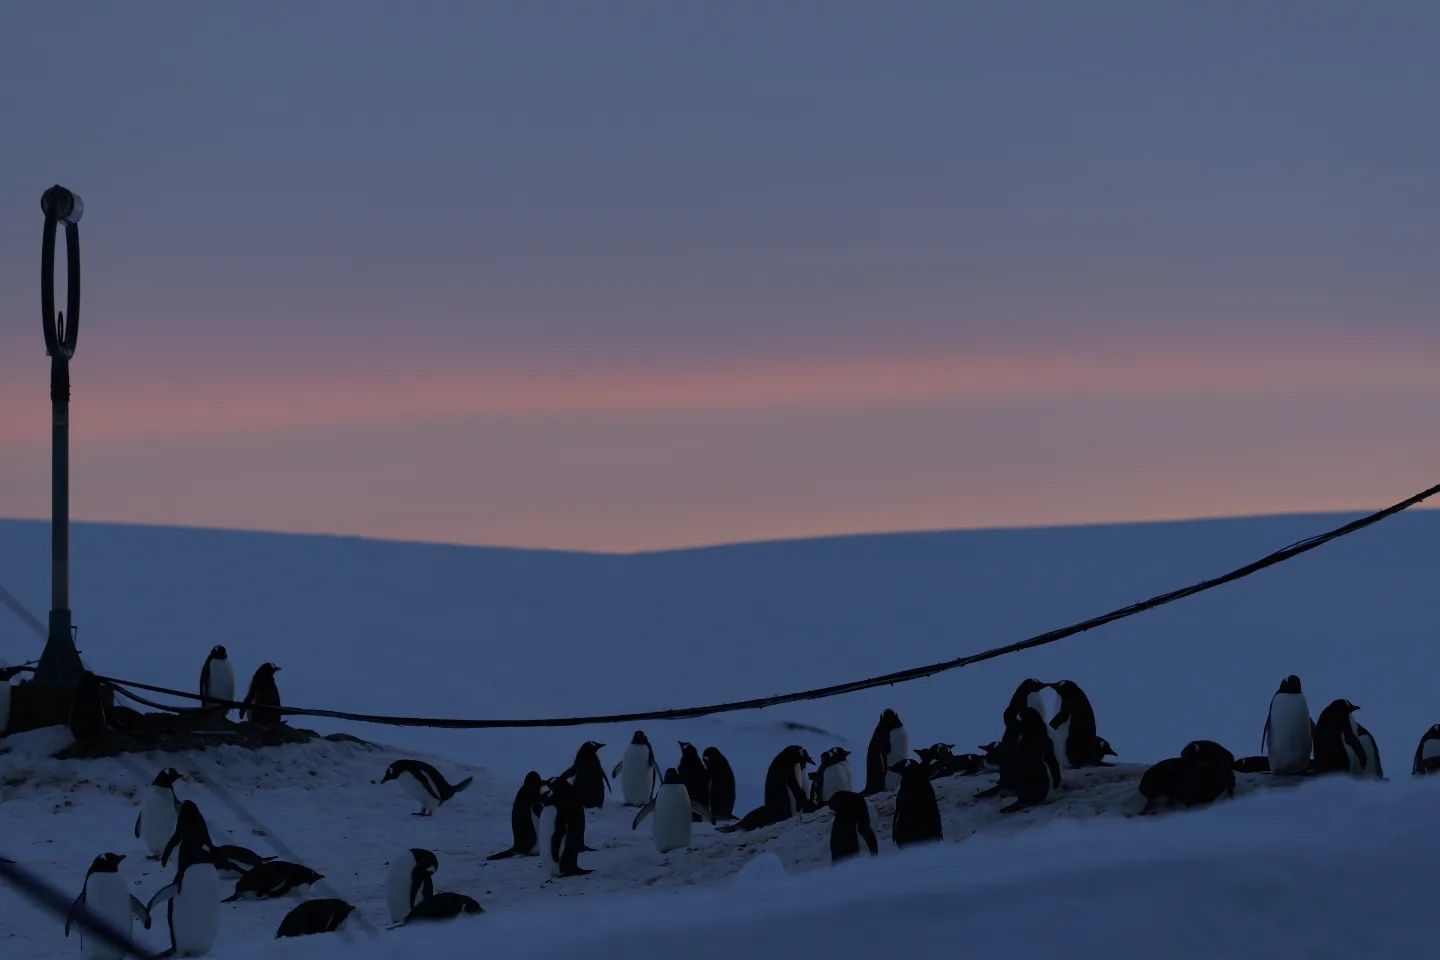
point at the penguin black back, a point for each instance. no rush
(588, 776)
(272, 879)
(721, 781)
(917, 814)
(523, 813)
(785, 794)
(850, 826)
(877, 757)
(262, 700)
(568, 840)
(1427, 753)
(1082, 744)
(1334, 731)
(694, 775)
(1028, 766)
(191, 836)
(443, 906)
(314, 916)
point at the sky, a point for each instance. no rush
(642, 275)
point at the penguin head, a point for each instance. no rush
(889, 718)
(425, 860)
(1348, 706)
(306, 875)
(167, 777)
(904, 767)
(799, 755)
(217, 652)
(686, 748)
(391, 772)
(640, 739)
(1290, 684)
(712, 755)
(1434, 731)
(533, 781)
(1031, 722)
(672, 776)
(591, 747)
(267, 669)
(106, 863)
(1104, 747)
(838, 754)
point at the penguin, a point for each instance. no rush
(674, 809)
(694, 774)
(1288, 729)
(1342, 744)
(784, 791)
(889, 744)
(411, 880)
(1220, 771)
(917, 814)
(1073, 728)
(524, 820)
(262, 700)
(834, 775)
(231, 858)
(588, 776)
(562, 829)
(193, 898)
(217, 679)
(850, 826)
(1030, 693)
(314, 916)
(105, 900)
(424, 783)
(1195, 778)
(721, 780)
(637, 771)
(1028, 766)
(155, 823)
(271, 880)
(1427, 753)
(443, 906)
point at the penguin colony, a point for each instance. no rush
(548, 817)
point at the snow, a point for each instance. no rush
(1327, 868)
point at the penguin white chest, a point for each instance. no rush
(899, 750)
(195, 911)
(838, 777)
(221, 678)
(636, 775)
(800, 784)
(1059, 737)
(397, 886)
(672, 817)
(157, 818)
(1289, 733)
(546, 834)
(109, 900)
(416, 789)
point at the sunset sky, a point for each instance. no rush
(639, 275)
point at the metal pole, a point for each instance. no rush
(60, 663)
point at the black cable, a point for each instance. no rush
(837, 689)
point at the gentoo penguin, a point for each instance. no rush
(217, 678)
(1427, 752)
(1073, 728)
(262, 700)
(917, 814)
(1219, 764)
(273, 879)
(314, 916)
(562, 829)
(1030, 693)
(1192, 779)
(231, 858)
(1028, 766)
(588, 776)
(411, 880)
(424, 783)
(637, 771)
(193, 898)
(1288, 729)
(524, 820)
(1340, 743)
(784, 791)
(850, 826)
(443, 906)
(721, 780)
(105, 900)
(155, 823)
(674, 809)
(693, 774)
(832, 776)
(889, 744)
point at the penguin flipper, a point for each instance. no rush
(460, 787)
(616, 771)
(74, 912)
(138, 909)
(166, 892)
(137, 824)
(645, 811)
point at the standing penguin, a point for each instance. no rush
(674, 809)
(424, 783)
(155, 822)
(314, 916)
(524, 819)
(1339, 744)
(889, 744)
(262, 700)
(832, 776)
(784, 791)
(1288, 729)
(193, 898)
(411, 879)
(693, 774)
(637, 771)
(1073, 728)
(1030, 693)
(721, 780)
(217, 678)
(917, 814)
(588, 776)
(850, 826)
(1028, 766)
(104, 899)
(562, 829)
(1427, 752)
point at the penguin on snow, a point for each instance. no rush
(637, 771)
(423, 782)
(159, 807)
(1343, 744)
(562, 829)
(917, 813)
(314, 916)
(721, 780)
(851, 826)
(785, 793)
(1427, 753)
(889, 744)
(588, 776)
(217, 679)
(1288, 729)
(192, 899)
(105, 900)
(262, 700)
(411, 879)
(674, 809)
(525, 819)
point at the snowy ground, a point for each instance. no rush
(409, 628)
